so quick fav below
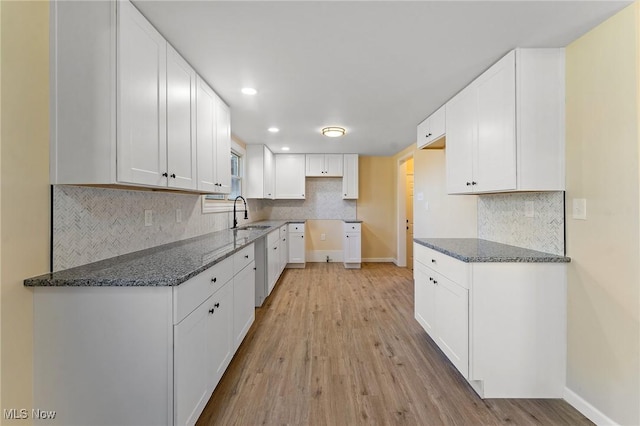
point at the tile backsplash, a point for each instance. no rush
(501, 218)
(91, 224)
(323, 201)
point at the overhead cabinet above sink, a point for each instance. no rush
(505, 131)
(119, 111)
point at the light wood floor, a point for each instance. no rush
(341, 347)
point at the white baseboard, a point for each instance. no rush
(378, 259)
(321, 255)
(588, 410)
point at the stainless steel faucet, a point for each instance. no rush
(246, 213)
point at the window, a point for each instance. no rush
(212, 203)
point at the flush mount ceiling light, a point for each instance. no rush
(285, 148)
(333, 132)
(249, 91)
(273, 129)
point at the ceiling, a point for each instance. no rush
(377, 68)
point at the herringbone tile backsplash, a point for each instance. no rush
(501, 218)
(91, 224)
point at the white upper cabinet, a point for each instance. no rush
(213, 141)
(181, 121)
(124, 104)
(431, 130)
(350, 177)
(505, 130)
(290, 177)
(142, 85)
(324, 165)
(259, 172)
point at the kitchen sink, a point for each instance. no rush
(253, 227)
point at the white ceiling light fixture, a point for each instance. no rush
(333, 132)
(273, 129)
(285, 148)
(249, 91)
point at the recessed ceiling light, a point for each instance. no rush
(285, 148)
(249, 91)
(273, 129)
(333, 132)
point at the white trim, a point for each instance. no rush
(588, 410)
(379, 260)
(320, 256)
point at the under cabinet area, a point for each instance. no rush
(501, 324)
(512, 115)
(123, 105)
(144, 355)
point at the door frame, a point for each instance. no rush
(401, 249)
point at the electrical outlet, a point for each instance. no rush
(178, 215)
(580, 208)
(529, 209)
(323, 237)
(148, 217)
(420, 196)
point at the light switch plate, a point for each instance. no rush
(420, 196)
(148, 217)
(323, 237)
(580, 208)
(529, 210)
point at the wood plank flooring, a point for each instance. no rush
(341, 347)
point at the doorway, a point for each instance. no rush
(405, 182)
(409, 211)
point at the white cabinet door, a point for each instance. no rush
(223, 147)
(142, 88)
(296, 247)
(352, 247)
(191, 387)
(181, 122)
(495, 153)
(452, 322)
(424, 298)
(314, 165)
(219, 309)
(273, 259)
(244, 288)
(333, 165)
(284, 248)
(290, 176)
(431, 129)
(269, 174)
(350, 177)
(462, 119)
(206, 136)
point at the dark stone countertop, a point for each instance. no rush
(472, 250)
(165, 265)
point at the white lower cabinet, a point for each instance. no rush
(502, 325)
(140, 355)
(352, 245)
(284, 248)
(273, 259)
(297, 248)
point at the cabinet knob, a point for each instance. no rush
(435, 282)
(303, 195)
(345, 195)
(468, 183)
(474, 183)
(433, 261)
(301, 236)
(254, 268)
(430, 279)
(269, 194)
(347, 236)
(428, 135)
(246, 256)
(165, 174)
(217, 305)
(275, 248)
(211, 310)
(214, 279)
(173, 175)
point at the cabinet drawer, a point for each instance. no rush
(190, 294)
(296, 227)
(273, 237)
(352, 227)
(456, 270)
(243, 258)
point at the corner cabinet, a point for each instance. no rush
(431, 130)
(350, 177)
(260, 172)
(502, 325)
(136, 126)
(505, 131)
(290, 177)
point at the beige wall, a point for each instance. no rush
(24, 175)
(333, 235)
(377, 207)
(602, 166)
